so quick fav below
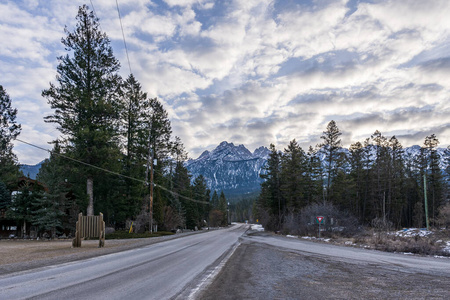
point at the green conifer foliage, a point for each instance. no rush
(330, 146)
(9, 130)
(85, 99)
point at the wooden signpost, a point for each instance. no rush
(89, 227)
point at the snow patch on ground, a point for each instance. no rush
(447, 248)
(257, 227)
(291, 236)
(412, 232)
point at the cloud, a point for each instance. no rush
(253, 72)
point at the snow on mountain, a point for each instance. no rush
(233, 169)
(236, 171)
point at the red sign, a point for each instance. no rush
(319, 219)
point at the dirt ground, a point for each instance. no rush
(258, 271)
(20, 255)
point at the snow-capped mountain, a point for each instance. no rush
(233, 169)
(236, 171)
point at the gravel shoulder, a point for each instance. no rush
(259, 271)
(22, 255)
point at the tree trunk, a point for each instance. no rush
(90, 192)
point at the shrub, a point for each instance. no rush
(443, 219)
(337, 222)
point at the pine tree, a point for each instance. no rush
(215, 200)
(201, 193)
(135, 116)
(435, 185)
(293, 181)
(5, 197)
(9, 130)
(215, 216)
(46, 214)
(21, 208)
(330, 147)
(56, 175)
(381, 165)
(314, 177)
(86, 98)
(357, 173)
(223, 207)
(396, 186)
(270, 199)
(181, 185)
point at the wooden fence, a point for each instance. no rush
(89, 227)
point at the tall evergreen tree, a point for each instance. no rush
(5, 197)
(86, 98)
(46, 214)
(56, 175)
(136, 118)
(381, 165)
(270, 200)
(357, 173)
(9, 130)
(21, 208)
(201, 193)
(223, 207)
(396, 186)
(314, 177)
(215, 200)
(181, 185)
(331, 146)
(435, 185)
(293, 181)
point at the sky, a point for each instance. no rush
(250, 72)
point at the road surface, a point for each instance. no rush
(265, 266)
(170, 269)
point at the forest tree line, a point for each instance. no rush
(374, 182)
(111, 133)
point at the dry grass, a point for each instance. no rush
(384, 241)
(14, 251)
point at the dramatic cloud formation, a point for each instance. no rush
(251, 71)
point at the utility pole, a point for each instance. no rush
(150, 159)
(426, 202)
(151, 195)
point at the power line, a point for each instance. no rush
(95, 13)
(81, 162)
(110, 172)
(123, 35)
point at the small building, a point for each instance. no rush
(9, 227)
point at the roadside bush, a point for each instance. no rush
(267, 220)
(443, 219)
(336, 222)
(385, 241)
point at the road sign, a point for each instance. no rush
(320, 220)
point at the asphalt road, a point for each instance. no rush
(412, 263)
(171, 269)
(265, 266)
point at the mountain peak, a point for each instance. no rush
(230, 168)
(225, 144)
(262, 152)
